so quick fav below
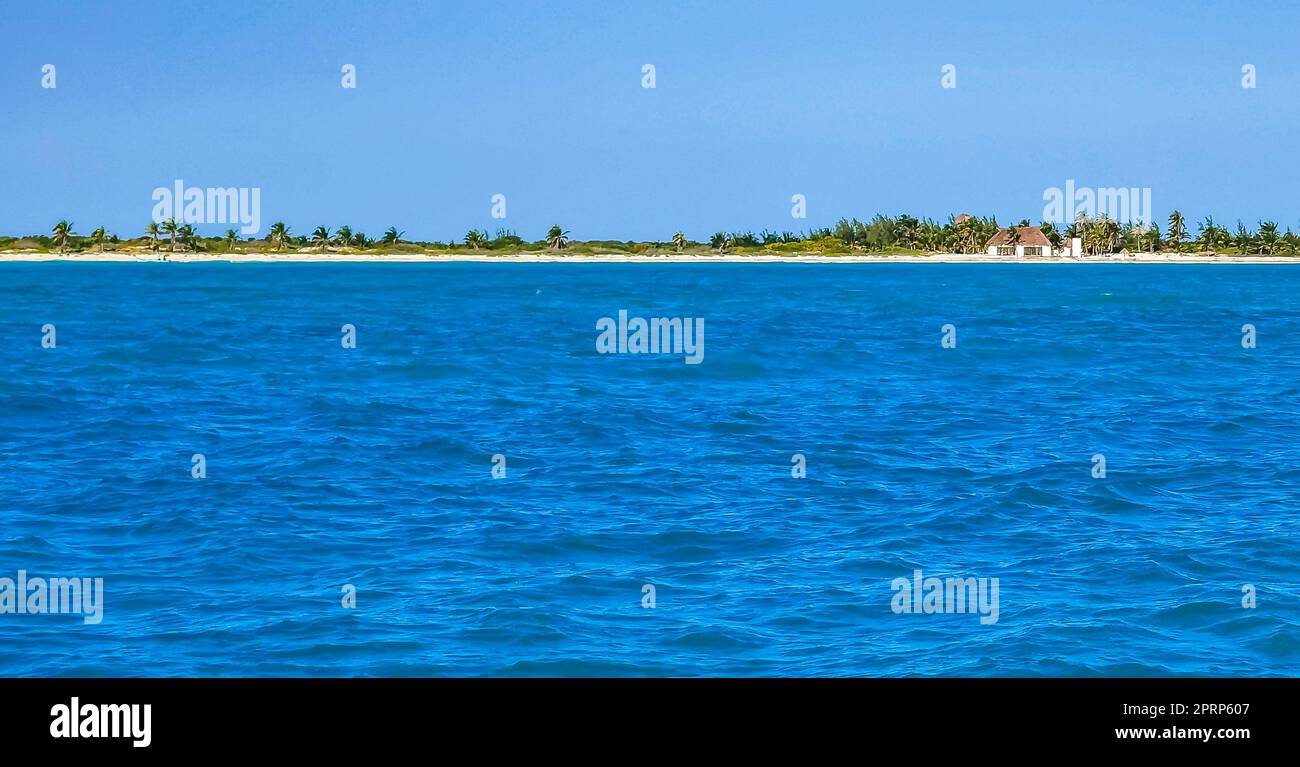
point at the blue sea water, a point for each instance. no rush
(373, 467)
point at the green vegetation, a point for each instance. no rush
(557, 238)
(879, 235)
(279, 235)
(62, 235)
(170, 229)
(322, 237)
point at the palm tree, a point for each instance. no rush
(1013, 236)
(392, 236)
(1177, 229)
(62, 232)
(169, 226)
(1288, 241)
(279, 234)
(344, 236)
(153, 231)
(1242, 238)
(474, 238)
(1132, 235)
(1217, 236)
(231, 237)
(1206, 238)
(1135, 235)
(1153, 237)
(1049, 231)
(1267, 237)
(360, 240)
(967, 233)
(679, 240)
(930, 235)
(719, 241)
(557, 238)
(906, 229)
(185, 235)
(321, 237)
(1103, 234)
(97, 237)
(1114, 234)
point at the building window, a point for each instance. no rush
(1033, 250)
(1006, 250)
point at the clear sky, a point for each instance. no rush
(543, 102)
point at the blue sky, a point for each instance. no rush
(755, 101)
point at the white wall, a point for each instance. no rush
(1020, 251)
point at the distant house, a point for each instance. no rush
(1032, 243)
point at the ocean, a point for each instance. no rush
(476, 490)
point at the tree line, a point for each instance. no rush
(1100, 235)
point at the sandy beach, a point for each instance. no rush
(304, 257)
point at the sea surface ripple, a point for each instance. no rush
(372, 466)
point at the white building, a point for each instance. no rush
(1032, 243)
